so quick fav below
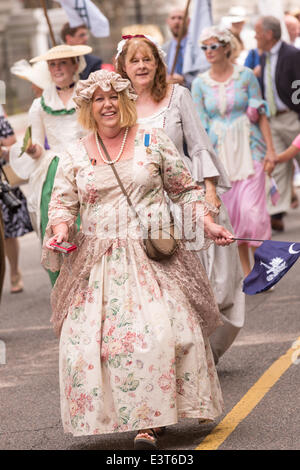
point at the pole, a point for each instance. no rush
(138, 12)
(180, 36)
(43, 4)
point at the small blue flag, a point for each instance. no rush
(272, 261)
(274, 193)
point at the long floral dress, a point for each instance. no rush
(133, 332)
(223, 108)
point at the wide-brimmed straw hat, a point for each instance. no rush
(38, 73)
(235, 15)
(63, 51)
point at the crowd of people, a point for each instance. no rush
(116, 152)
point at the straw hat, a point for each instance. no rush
(38, 73)
(63, 51)
(235, 15)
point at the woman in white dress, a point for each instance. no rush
(52, 116)
(171, 107)
(134, 353)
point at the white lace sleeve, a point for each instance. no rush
(35, 120)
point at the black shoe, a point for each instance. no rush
(277, 224)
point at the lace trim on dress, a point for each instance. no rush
(161, 114)
(146, 120)
(56, 112)
(222, 85)
(237, 70)
(53, 103)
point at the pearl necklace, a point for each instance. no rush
(119, 154)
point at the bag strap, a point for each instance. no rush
(119, 181)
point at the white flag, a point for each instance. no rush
(274, 8)
(194, 57)
(85, 12)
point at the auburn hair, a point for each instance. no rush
(159, 88)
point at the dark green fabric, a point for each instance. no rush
(56, 112)
(45, 199)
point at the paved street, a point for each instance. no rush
(30, 413)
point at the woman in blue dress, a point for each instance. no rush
(232, 110)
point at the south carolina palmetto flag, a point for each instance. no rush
(85, 12)
(272, 261)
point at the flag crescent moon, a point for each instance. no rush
(293, 252)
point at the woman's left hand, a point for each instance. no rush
(212, 198)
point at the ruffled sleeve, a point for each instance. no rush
(63, 207)
(203, 161)
(255, 99)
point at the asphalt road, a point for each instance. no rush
(30, 411)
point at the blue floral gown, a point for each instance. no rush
(230, 111)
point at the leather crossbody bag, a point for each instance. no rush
(159, 243)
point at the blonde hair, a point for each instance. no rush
(127, 113)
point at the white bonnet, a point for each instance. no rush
(222, 34)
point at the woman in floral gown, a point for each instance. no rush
(134, 353)
(231, 109)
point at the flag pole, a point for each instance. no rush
(43, 4)
(180, 36)
(249, 239)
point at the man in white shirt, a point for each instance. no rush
(280, 72)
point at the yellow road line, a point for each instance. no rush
(241, 410)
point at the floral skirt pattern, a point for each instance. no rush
(132, 355)
(16, 222)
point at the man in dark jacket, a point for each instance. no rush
(280, 84)
(79, 37)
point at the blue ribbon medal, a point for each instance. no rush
(147, 141)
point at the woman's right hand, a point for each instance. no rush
(219, 234)
(269, 168)
(34, 151)
(61, 236)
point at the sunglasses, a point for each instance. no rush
(212, 47)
